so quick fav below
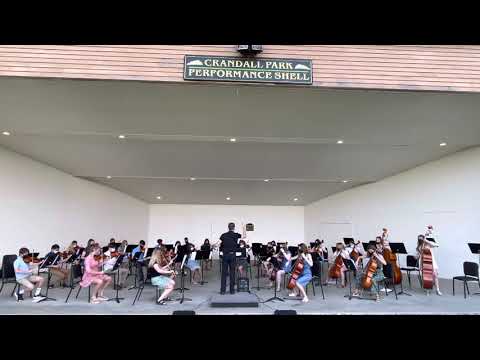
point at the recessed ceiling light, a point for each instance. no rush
(233, 139)
(109, 177)
(159, 197)
(345, 181)
(295, 199)
(340, 142)
(121, 136)
(443, 144)
(228, 198)
(193, 179)
(6, 133)
(266, 180)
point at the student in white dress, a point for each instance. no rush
(422, 244)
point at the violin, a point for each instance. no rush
(335, 271)
(31, 259)
(297, 271)
(114, 254)
(99, 257)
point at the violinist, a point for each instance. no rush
(161, 263)
(306, 275)
(423, 243)
(267, 263)
(24, 276)
(88, 248)
(55, 260)
(94, 275)
(371, 255)
(122, 249)
(111, 257)
(159, 243)
(339, 252)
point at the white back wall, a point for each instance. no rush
(42, 206)
(197, 222)
(443, 193)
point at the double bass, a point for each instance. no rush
(297, 270)
(392, 260)
(427, 264)
(354, 254)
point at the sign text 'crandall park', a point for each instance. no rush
(219, 68)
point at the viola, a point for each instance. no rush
(30, 259)
(427, 269)
(297, 271)
(335, 271)
(99, 257)
(370, 271)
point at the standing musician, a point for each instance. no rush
(372, 255)
(161, 263)
(25, 278)
(338, 267)
(320, 248)
(242, 261)
(207, 247)
(111, 257)
(229, 245)
(94, 275)
(306, 275)
(424, 244)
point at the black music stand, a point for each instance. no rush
(475, 249)
(351, 269)
(182, 280)
(202, 255)
(138, 267)
(275, 297)
(365, 246)
(347, 241)
(262, 253)
(116, 275)
(293, 250)
(51, 260)
(399, 248)
(182, 253)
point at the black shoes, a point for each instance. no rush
(19, 297)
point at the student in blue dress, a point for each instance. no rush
(306, 275)
(193, 264)
(161, 262)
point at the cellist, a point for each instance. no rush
(371, 255)
(340, 251)
(423, 243)
(306, 275)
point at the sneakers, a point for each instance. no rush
(18, 297)
(439, 293)
(39, 298)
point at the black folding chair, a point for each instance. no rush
(412, 266)
(143, 281)
(76, 274)
(470, 273)
(8, 272)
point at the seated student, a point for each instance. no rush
(340, 251)
(306, 275)
(267, 264)
(371, 255)
(111, 259)
(159, 244)
(207, 247)
(94, 275)
(284, 264)
(112, 241)
(160, 262)
(88, 248)
(59, 275)
(24, 276)
(242, 262)
(193, 264)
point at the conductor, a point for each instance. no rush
(229, 245)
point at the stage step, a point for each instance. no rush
(242, 299)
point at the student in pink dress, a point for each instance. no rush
(93, 274)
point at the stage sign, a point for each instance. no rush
(220, 68)
(249, 227)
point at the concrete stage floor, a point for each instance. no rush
(334, 303)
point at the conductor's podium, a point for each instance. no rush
(239, 299)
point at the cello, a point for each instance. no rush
(297, 270)
(371, 269)
(335, 271)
